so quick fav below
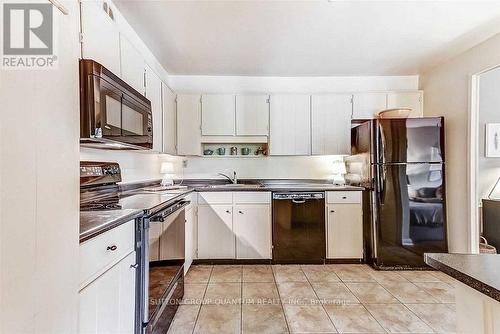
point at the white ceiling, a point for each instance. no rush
(309, 38)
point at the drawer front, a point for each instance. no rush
(344, 196)
(215, 197)
(100, 253)
(252, 197)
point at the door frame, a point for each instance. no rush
(473, 226)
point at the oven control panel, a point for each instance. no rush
(98, 173)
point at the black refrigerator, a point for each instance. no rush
(401, 163)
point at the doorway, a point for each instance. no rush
(484, 156)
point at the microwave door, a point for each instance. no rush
(109, 115)
(137, 123)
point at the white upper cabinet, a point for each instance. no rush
(100, 36)
(132, 65)
(412, 100)
(366, 105)
(331, 124)
(290, 125)
(153, 93)
(169, 120)
(217, 115)
(252, 115)
(188, 124)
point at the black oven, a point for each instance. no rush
(162, 267)
(113, 115)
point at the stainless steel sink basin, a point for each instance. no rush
(237, 185)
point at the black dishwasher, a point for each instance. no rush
(299, 227)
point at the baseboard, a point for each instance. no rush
(231, 261)
(344, 261)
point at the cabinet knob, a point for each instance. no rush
(344, 197)
(240, 212)
(227, 211)
(135, 266)
(111, 248)
(332, 211)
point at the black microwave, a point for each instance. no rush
(113, 115)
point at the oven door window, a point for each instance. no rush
(166, 258)
(136, 122)
(109, 105)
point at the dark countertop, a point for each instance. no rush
(136, 201)
(93, 223)
(479, 271)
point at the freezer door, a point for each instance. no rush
(410, 213)
(409, 140)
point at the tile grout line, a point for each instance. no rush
(364, 306)
(202, 299)
(322, 305)
(281, 302)
(241, 299)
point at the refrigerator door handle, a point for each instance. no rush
(380, 182)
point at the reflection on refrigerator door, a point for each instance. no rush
(410, 213)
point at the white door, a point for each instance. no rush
(101, 39)
(366, 105)
(290, 125)
(132, 65)
(252, 115)
(217, 115)
(215, 232)
(331, 124)
(345, 231)
(190, 242)
(252, 228)
(169, 120)
(188, 124)
(412, 100)
(153, 93)
(107, 305)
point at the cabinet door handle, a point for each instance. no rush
(111, 248)
(135, 266)
(332, 211)
(240, 212)
(344, 197)
(227, 211)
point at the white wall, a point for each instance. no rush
(135, 165)
(239, 84)
(39, 223)
(447, 93)
(489, 112)
(314, 167)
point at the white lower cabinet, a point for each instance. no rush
(234, 225)
(215, 231)
(107, 304)
(344, 225)
(252, 228)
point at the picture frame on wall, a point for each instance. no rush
(492, 140)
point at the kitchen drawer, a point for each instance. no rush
(215, 197)
(96, 254)
(344, 197)
(252, 197)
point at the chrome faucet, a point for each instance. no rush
(233, 180)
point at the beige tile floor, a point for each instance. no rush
(337, 298)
